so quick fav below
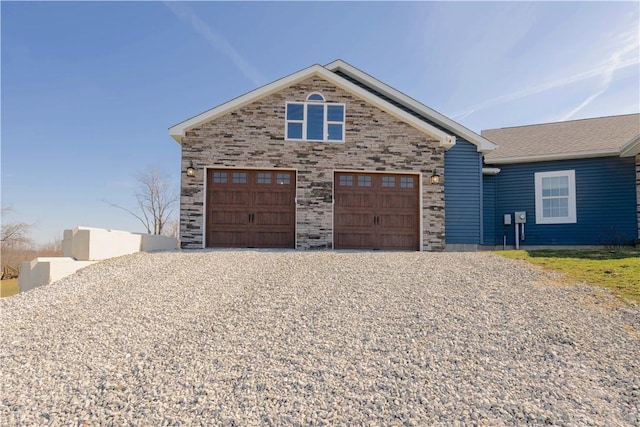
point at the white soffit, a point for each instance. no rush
(482, 144)
(178, 131)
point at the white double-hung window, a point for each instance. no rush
(555, 197)
(315, 120)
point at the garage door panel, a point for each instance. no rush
(227, 239)
(354, 240)
(229, 196)
(275, 198)
(400, 241)
(398, 201)
(399, 221)
(272, 239)
(351, 220)
(250, 208)
(273, 218)
(376, 211)
(355, 200)
(236, 217)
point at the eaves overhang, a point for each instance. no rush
(179, 130)
(551, 157)
(483, 145)
(631, 148)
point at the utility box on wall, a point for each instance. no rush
(521, 217)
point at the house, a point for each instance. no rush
(577, 183)
(330, 157)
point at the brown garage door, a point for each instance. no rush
(376, 211)
(250, 208)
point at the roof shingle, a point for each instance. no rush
(575, 138)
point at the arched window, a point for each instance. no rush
(315, 96)
(315, 120)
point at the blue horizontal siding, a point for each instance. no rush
(462, 193)
(605, 201)
(489, 183)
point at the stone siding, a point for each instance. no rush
(253, 137)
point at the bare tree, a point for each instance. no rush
(13, 233)
(15, 244)
(155, 199)
(52, 248)
(172, 229)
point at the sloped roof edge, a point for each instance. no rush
(178, 131)
(482, 144)
(552, 157)
(631, 148)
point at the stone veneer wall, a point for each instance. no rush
(253, 137)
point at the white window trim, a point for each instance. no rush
(572, 217)
(326, 122)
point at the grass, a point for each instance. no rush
(617, 270)
(9, 287)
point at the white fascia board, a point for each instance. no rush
(483, 145)
(631, 148)
(178, 131)
(490, 171)
(552, 157)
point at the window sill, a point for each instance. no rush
(330, 141)
(546, 221)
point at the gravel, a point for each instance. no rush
(242, 338)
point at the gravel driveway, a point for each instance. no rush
(317, 338)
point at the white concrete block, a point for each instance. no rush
(82, 246)
(67, 237)
(46, 270)
(91, 244)
(24, 279)
(156, 242)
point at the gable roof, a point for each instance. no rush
(359, 84)
(575, 139)
(178, 131)
(410, 104)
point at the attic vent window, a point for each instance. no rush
(315, 97)
(315, 120)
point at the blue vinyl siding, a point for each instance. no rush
(489, 193)
(605, 201)
(463, 195)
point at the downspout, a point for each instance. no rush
(481, 212)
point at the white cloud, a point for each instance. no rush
(626, 46)
(607, 78)
(631, 45)
(603, 70)
(218, 41)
